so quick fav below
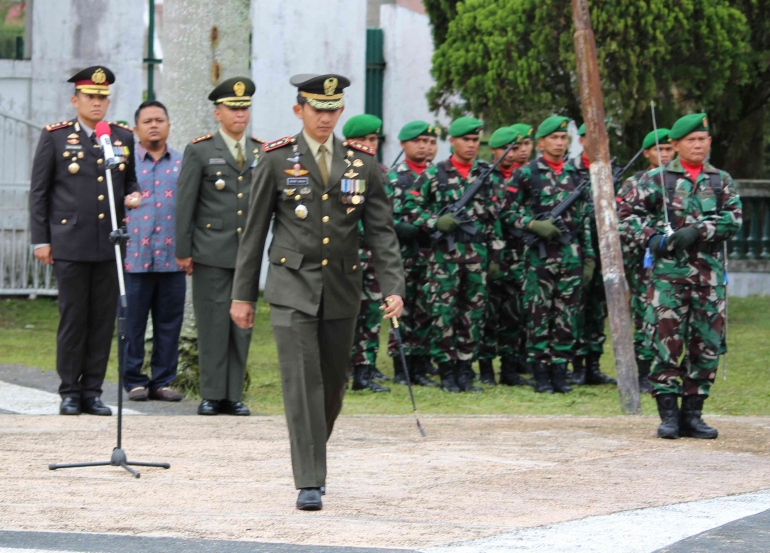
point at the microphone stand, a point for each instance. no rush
(119, 237)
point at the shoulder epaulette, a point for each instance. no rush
(255, 139)
(202, 138)
(121, 125)
(59, 125)
(275, 144)
(358, 146)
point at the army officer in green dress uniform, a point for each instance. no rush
(211, 207)
(316, 188)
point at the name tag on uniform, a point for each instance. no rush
(217, 161)
(297, 181)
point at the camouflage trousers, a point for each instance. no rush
(639, 283)
(593, 314)
(552, 300)
(366, 343)
(457, 294)
(415, 319)
(503, 332)
(687, 335)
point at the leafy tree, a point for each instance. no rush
(511, 60)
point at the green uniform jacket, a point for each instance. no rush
(212, 200)
(315, 259)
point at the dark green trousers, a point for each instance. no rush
(222, 346)
(314, 355)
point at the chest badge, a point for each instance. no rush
(296, 171)
(220, 184)
(301, 211)
(73, 167)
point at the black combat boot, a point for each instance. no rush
(594, 375)
(509, 375)
(430, 368)
(669, 416)
(464, 375)
(643, 367)
(399, 374)
(559, 378)
(579, 370)
(486, 372)
(542, 378)
(448, 380)
(417, 372)
(377, 374)
(362, 379)
(690, 422)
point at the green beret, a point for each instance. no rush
(649, 140)
(412, 130)
(526, 131)
(689, 123)
(555, 123)
(359, 126)
(504, 136)
(582, 129)
(465, 125)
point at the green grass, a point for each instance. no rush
(28, 337)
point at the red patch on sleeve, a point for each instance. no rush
(494, 198)
(619, 199)
(414, 193)
(512, 189)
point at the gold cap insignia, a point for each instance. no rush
(563, 124)
(98, 77)
(239, 88)
(530, 131)
(705, 122)
(330, 85)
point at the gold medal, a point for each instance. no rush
(350, 174)
(73, 167)
(122, 167)
(301, 211)
(220, 184)
(355, 200)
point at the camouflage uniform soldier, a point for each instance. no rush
(686, 294)
(364, 129)
(502, 322)
(593, 312)
(637, 274)
(553, 285)
(416, 138)
(458, 278)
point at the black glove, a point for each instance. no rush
(654, 245)
(683, 238)
(406, 232)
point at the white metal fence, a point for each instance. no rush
(20, 274)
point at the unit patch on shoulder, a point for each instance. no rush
(202, 138)
(255, 139)
(275, 144)
(121, 125)
(59, 125)
(358, 146)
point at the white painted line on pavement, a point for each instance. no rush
(31, 401)
(12, 550)
(638, 531)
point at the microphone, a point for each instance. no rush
(103, 133)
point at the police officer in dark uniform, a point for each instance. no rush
(315, 189)
(211, 207)
(70, 226)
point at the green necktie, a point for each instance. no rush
(322, 167)
(240, 160)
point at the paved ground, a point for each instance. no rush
(476, 484)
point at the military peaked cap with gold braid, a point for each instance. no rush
(93, 80)
(358, 146)
(323, 92)
(275, 144)
(234, 93)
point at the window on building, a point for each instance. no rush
(12, 29)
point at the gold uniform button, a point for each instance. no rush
(239, 229)
(99, 161)
(240, 195)
(240, 178)
(325, 197)
(325, 262)
(297, 197)
(64, 221)
(283, 260)
(219, 173)
(101, 197)
(326, 240)
(240, 212)
(325, 219)
(101, 216)
(355, 267)
(99, 178)
(208, 225)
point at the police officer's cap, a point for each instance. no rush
(93, 80)
(323, 92)
(234, 93)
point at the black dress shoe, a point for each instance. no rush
(208, 407)
(70, 406)
(94, 406)
(323, 490)
(236, 408)
(309, 499)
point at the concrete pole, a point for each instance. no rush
(604, 202)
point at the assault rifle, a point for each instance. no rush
(455, 209)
